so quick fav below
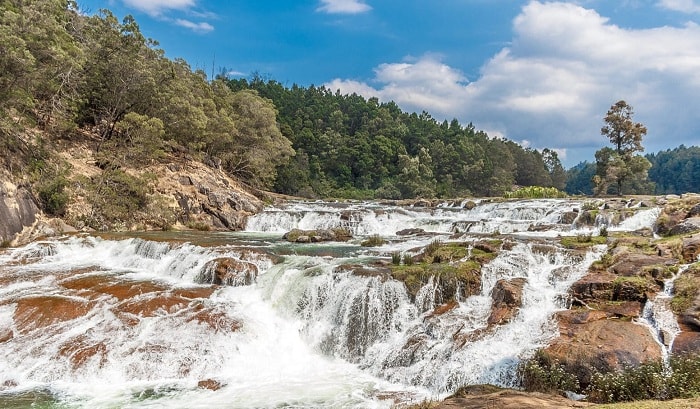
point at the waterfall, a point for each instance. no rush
(662, 323)
(131, 322)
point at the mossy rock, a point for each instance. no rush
(460, 280)
(633, 289)
(582, 241)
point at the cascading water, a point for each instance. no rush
(662, 323)
(129, 322)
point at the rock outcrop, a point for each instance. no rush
(487, 396)
(317, 236)
(228, 271)
(20, 218)
(507, 297)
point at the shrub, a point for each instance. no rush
(396, 258)
(643, 382)
(650, 380)
(52, 195)
(542, 373)
(374, 240)
(407, 259)
(535, 192)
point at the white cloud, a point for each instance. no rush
(552, 86)
(684, 6)
(157, 7)
(343, 6)
(202, 27)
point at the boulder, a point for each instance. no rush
(687, 226)
(594, 286)
(409, 232)
(630, 264)
(488, 396)
(210, 384)
(315, 236)
(17, 211)
(228, 271)
(691, 249)
(687, 342)
(507, 298)
(592, 341)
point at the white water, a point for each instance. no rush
(662, 323)
(309, 332)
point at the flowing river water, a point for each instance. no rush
(131, 321)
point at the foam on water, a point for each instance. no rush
(309, 332)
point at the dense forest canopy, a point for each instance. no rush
(67, 74)
(349, 146)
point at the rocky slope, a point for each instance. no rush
(180, 193)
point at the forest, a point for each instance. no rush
(67, 74)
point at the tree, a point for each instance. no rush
(620, 167)
(622, 131)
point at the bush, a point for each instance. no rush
(396, 258)
(535, 192)
(52, 195)
(374, 240)
(542, 373)
(648, 381)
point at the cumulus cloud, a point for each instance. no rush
(201, 27)
(343, 6)
(553, 84)
(684, 6)
(157, 7)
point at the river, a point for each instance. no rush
(132, 321)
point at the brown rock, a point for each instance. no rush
(687, 226)
(632, 264)
(590, 341)
(506, 300)
(80, 350)
(486, 396)
(691, 248)
(210, 384)
(37, 312)
(228, 271)
(686, 343)
(594, 286)
(6, 334)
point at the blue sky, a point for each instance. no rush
(540, 73)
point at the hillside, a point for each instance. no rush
(175, 192)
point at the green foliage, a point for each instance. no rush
(52, 195)
(619, 169)
(542, 373)
(685, 289)
(201, 226)
(582, 241)
(352, 145)
(137, 140)
(579, 179)
(646, 381)
(649, 381)
(676, 171)
(374, 240)
(116, 198)
(535, 192)
(407, 259)
(396, 258)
